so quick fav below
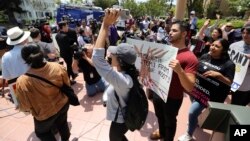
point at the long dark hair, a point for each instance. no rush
(33, 56)
(129, 69)
(220, 32)
(225, 46)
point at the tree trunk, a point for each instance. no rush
(12, 18)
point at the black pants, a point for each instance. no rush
(69, 60)
(166, 114)
(43, 129)
(117, 132)
(241, 98)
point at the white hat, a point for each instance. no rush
(16, 36)
(192, 12)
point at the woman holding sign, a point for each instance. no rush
(213, 80)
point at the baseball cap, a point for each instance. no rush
(192, 12)
(246, 26)
(125, 52)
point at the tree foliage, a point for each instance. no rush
(195, 5)
(240, 6)
(10, 6)
(151, 7)
(105, 3)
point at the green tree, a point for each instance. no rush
(156, 7)
(76, 1)
(9, 7)
(195, 5)
(239, 6)
(57, 2)
(136, 9)
(105, 3)
(151, 7)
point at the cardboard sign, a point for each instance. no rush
(241, 62)
(152, 61)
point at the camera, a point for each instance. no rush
(78, 54)
(125, 14)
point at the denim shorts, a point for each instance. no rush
(93, 89)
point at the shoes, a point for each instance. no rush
(185, 137)
(10, 98)
(72, 82)
(155, 135)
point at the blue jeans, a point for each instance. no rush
(194, 111)
(93, 89)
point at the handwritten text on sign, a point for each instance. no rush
(153, 61)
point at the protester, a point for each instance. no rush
(113, 35)
(46, 103)
(86, 29)
(219, 69)
(193, 23)
(49, 51)
(65, 40)
(242, 95)
(93, 81)
(81, 39)
(12, 63)
(161, 33)
(230, 33)
(121, 79)
(208, 40)
(183, 78)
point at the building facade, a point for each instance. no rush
(36, 9)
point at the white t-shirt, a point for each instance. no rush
(80, 41)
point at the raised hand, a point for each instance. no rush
(111, 15)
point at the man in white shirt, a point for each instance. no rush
(12, 63)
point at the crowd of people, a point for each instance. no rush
(108, 66)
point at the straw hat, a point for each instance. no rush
(16, 36)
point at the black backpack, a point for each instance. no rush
(136, 111)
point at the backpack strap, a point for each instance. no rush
(119, 106)
(43, 79)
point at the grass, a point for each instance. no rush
(236, 23)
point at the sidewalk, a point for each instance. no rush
(87, 121)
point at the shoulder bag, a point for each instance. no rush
(67, 90)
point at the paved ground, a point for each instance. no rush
(87, 121)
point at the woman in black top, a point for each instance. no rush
(213, 82)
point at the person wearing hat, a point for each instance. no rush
(12, 63)
(193, 23)
(120, 79)
(231, 34)
(242, 95)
